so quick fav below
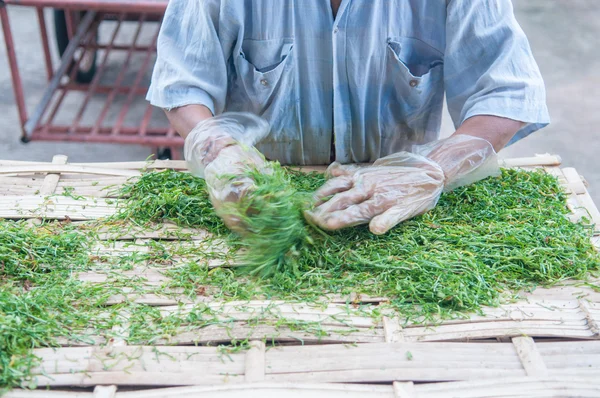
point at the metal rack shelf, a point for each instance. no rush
(110, 108)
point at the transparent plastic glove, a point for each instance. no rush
(400, 186)
(221, 150)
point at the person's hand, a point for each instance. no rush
(400, 186)
(220, 150)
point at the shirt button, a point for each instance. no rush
(336, 30)
(414, 83)
(264, 82)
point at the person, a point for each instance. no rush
(348, 82)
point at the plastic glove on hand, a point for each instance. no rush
(400, 186)
(221, 150)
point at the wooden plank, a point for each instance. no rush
(530, 357)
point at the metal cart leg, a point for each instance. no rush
(45, 45)
(14, 69)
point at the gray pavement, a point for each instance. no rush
(563, 34)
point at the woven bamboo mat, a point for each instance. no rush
(546, 344)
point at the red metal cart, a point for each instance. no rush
(86, 100)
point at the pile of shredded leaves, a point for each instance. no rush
(479, 247)
(482, 242)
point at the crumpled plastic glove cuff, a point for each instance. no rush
(210, 136)
(465, 159)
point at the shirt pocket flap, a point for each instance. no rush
(261, 67)
(266, 55)
(418, 57)
(264, 84)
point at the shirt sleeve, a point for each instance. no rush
(489, 68)
(190, 65)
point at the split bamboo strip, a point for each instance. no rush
(153, 164)
(105, 392)
(163, 231)
(404, 389)
(51, 180)
(386, 362)
(68, 168)
(577, 187)
(506, 387)
(335, 315)
(241, 331)
(255, 362)
(393, 331)
(538, 318)
(530, 357)
(56, 207)
(538, 160)
(513, 387)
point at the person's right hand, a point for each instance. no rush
(220, 150)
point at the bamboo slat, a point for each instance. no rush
(163, 231)
(538, 160)
(55, 207)
(563, 386)
(154, 164)
(68, 168)
(51, 180)
(337, 340)
(385, 362)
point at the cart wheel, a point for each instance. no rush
(87, 66)
(164, 153)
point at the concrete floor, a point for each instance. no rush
(563, 34)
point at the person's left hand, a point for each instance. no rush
(400, 186)
(390, 191)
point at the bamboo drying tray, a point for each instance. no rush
(546, 344)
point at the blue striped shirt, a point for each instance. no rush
(372, 79)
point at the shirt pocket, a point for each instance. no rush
(413, 92)
(264, 84)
